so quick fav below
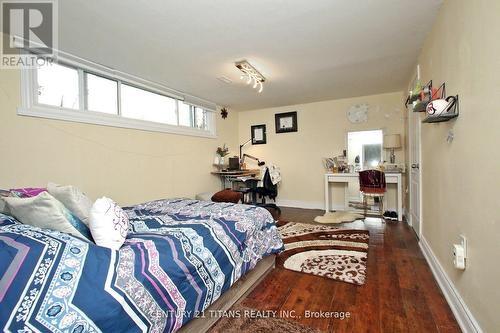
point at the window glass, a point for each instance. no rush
(58, 86)
(200, 120)
(145, 105)
(185, 114)
(73, 88)
(102, 94)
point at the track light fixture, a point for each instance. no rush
(251, 75)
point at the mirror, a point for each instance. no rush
(364, 149)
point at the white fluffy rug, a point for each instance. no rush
(338, 217)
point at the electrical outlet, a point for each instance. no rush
(458, 257)
(460, 253)
(463, 242)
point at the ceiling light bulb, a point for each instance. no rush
(249, 79)
(261, 87)
(255, 83)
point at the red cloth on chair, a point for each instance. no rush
(372, 181)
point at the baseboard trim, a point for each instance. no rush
(462, 313)
(300, 204)
(310, 204)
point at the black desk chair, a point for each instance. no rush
(268, 189)
(248, 190)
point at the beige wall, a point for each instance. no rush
(461, 180)
(130, 166)
(322, 132)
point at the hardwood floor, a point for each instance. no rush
(400, 294)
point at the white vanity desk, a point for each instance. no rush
(390, 178)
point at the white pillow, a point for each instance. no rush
(3, 207)
(45, 211)
(74, 199)
(108, 223)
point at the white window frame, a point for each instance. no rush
(30, 107)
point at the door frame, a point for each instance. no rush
(416, 117)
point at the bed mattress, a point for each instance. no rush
(180, 256)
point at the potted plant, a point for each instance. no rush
(220, 153)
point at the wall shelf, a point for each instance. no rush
(426, 95)
(452, 113)
(439, 119)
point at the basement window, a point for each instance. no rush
(80, 91)
(145, 105)
(58, 86)
(101, 93)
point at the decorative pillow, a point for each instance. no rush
(27, 192)
(227, 195)
(108, 223)
(3, 207)
(45, 211)
(74, 199)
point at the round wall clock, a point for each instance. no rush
(358, 113)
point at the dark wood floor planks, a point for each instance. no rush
(400, 294)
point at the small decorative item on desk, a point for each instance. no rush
(336, 164)
(220, 153)
(328, 163)
(341, 162)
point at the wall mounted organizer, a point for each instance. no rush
(449, 112)
(434, 102)
(427, 94)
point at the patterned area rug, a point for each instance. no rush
(338, 254)
(251, 320)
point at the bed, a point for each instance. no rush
(180, 256)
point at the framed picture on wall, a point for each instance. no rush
(286, 122)
(258, 134)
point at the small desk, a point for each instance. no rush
(230, 176)
(390, 178)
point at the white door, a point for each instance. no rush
(415, 170)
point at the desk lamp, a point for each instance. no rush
(241, 147)
(259, 162)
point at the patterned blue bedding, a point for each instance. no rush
(179, 257)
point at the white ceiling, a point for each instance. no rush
(307, 50)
